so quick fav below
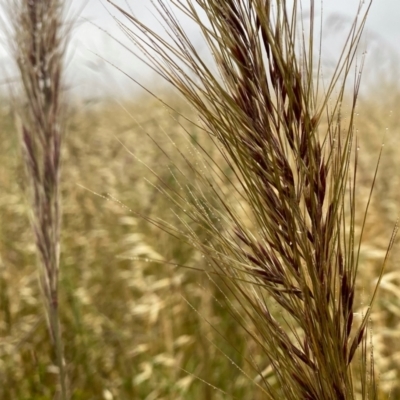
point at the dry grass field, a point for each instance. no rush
(146, 330)
(208, 249)
(128, 327)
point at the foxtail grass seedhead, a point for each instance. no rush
(295, 170)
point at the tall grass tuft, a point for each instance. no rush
(280, 127)
(38, 40)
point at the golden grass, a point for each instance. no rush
(297, 180)
(128, 329)
(215, 259)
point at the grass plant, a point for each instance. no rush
(279, 126)
(38, 41)
(260, 282)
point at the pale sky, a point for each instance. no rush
(92, 49)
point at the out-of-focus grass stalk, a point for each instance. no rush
(38, 40)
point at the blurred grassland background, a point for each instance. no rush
(134, 328)
(128, 328)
